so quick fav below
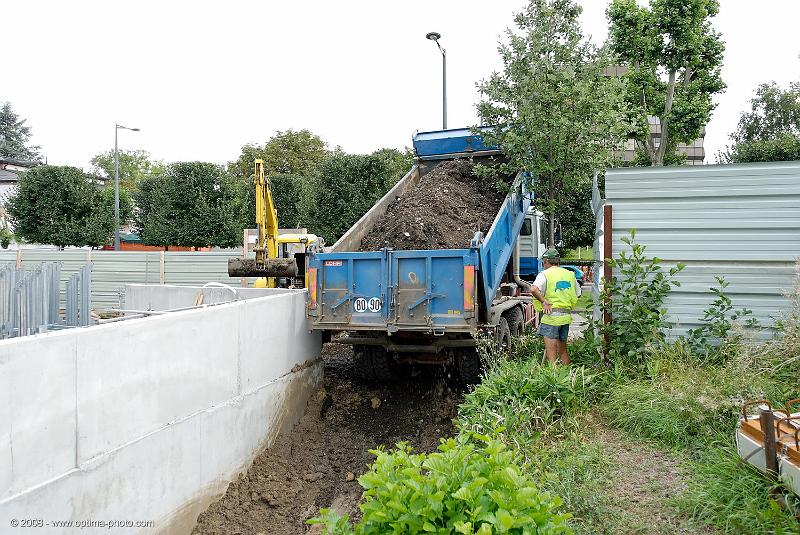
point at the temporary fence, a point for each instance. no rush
(30, 299)
(112, 270)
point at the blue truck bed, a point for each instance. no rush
(436, 292)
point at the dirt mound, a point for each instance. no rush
(317, 463)
(443, 211)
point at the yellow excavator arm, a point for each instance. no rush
(266, 217)
(266, 263)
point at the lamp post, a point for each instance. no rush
(435, 36)
(116, 182)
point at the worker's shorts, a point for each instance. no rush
(555, 332)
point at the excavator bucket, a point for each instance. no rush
(272, 267)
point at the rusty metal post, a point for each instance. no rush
(767, 419)
(608, 254)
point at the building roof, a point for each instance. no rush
(17, 162)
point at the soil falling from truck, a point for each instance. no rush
(442, 211)
(317, 464)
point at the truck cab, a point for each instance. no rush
(533, 243)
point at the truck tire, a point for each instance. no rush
(468, 366)
(382, 365)
(516, 322)
(503, 334)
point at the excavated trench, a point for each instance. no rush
(317, 463)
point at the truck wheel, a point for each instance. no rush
(362, 363)
(468, 365)
(382, 365)
(503, 334)
(516, 322)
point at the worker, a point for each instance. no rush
(557, 291)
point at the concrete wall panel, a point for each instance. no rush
(137, 376)
(162, 424)
(40, 385)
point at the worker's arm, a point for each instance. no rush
(538, 289)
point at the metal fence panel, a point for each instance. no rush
(738, 221)
(112, 270)
(197, 268)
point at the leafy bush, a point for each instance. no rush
(5, 237)
(715, 337)
(728, 494)
(635, 300)
(461, 488)
(518, 400)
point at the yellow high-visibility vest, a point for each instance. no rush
(561, 294)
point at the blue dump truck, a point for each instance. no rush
(424, 306)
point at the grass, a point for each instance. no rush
(518, 401)
(693, 408)
(728, 494)
(572, 254)
(686, 404)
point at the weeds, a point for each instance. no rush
(520, 400)
(716, 338)
(686, 404)
(726, 493)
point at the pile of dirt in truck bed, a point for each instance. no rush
(316, 464)
(442, 211)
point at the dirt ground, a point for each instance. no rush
(643, 480)
(443, 211)
(315, 465)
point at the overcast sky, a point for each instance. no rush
(202, 78)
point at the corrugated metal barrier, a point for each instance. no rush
(738, 221)
(112, 270)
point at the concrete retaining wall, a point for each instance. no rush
(148, 419)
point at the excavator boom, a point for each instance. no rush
(266, 263)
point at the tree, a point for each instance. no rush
(770, 131)
(134, 166)
(673, 59)
(63, 206)
(552, 110)
(191, 204)
(399, 163)
(14, 136)
(347, 187)
(296, 152)
(292, 195)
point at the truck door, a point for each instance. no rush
(353, 289)
(528, 247)
(430, 290)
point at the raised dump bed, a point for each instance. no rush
(424, 305)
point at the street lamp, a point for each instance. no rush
(116, 182)
(435, 36)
